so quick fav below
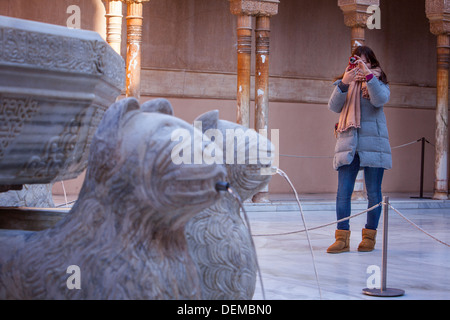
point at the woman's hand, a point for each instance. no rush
(362, 66)
(350, 75)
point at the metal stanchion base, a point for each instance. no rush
(388, 292)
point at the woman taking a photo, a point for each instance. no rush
(362, 142)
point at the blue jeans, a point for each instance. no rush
(346, 183)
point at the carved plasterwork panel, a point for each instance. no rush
(57, 150)
(14, 112)
(59, 53)
(438, 12)
(55, 85)
(254, 7)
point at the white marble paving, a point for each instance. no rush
(416, 263)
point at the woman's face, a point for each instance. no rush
(366, 61)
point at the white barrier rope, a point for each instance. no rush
(334, 222)
(65, 204)
(321, 226)
(406, 144)
(419, 228)
(351, 217)
(306, 157)
(358, 214)
(331, 157)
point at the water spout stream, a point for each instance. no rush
(247, 222)
(285, 176)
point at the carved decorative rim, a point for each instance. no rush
(79, 51)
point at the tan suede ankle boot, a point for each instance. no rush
(342, 243)
(368, 240)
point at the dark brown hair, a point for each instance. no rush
(370, 56)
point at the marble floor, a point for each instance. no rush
(416, 263)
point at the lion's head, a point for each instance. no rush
(130, 164)
(247, 155)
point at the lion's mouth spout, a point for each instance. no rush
(222, 186)
(199, 187)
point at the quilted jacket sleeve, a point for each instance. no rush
(337, 99)
(379, 92)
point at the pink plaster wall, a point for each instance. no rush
(307, 130)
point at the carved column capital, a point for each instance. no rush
(438, 12)
(254, 7)
(355, 11)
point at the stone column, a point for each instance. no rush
(262, 35)
(438, 12)
(355, 17)
(244, 52)
(262, 10)
(358, 37)
(134, 41)
(114, 24)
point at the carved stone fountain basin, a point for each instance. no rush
(55, 85)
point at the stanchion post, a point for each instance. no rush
(385, 243)
(422, 166)
(422, 169)
(383, 291)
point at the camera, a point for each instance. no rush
(352, 63)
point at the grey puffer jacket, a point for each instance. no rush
(371, 141)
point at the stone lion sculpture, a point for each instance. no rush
(126, 231)
(218, 238)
